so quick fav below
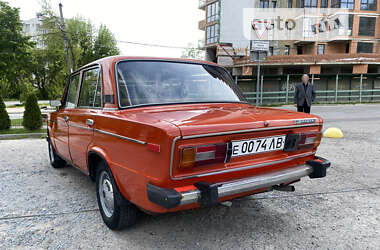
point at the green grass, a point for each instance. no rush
(21, 131)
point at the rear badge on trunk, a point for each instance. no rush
(305, 121)
(266, 124)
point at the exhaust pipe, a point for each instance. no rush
(287, 188)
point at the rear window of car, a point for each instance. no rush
(160, 82)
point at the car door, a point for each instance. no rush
(82, 118)
(61, 129)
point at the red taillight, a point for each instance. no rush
(302, 141)
(310, 140)
(202, 155)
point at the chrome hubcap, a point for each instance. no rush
(106, 194)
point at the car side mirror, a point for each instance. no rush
(55, 104)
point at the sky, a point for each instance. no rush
(163, 22)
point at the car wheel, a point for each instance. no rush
(55, 160)
(116, 211)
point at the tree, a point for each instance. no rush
(193, 53)
(5, 122)
(105, 43)
(81, 36)
(89, 44)
(86, 44)
(15, 51)
(32, 114)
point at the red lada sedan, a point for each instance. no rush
(163, 135)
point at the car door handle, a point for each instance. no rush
(66, 118)
(90, 122)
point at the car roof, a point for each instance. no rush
(114, 59)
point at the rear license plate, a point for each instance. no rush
(257, 145)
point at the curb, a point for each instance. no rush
(21, 136)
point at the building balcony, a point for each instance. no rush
(202, 4)
(202, 25)
(339, 58)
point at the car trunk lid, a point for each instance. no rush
(216, 118)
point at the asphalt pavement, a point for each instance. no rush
(42, 207)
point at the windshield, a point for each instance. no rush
(158, 82)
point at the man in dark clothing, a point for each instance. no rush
(304, 95)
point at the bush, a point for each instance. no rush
(32, 114)
(5, 122)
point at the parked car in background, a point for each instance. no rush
(164, 135)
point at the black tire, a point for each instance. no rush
(123, 214)
(55, 160)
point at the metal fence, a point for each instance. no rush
(342, 88)
(17, 118)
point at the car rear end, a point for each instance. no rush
(225, 148)
(209, 168)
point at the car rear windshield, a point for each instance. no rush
(161, 82)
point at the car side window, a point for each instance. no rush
(98, 92)
(72, 92)
(90, 93)
(123, 91)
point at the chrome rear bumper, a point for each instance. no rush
(210, 193)
(252, 183)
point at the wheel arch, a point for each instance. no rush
(49, 137)
(96, 155)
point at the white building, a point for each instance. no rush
(32, 28)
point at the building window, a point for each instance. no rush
(350, 23)
(324, 3)
(322, 27)
(367, 26)
(274, 4)
(212, 34)
(287, 50)
(289, 3)
(264, 3)
(321, 49)
(307, 3)
(299, 50)
(365, 48)
(344, 4)
(213, 12)
(270, 52)
(314, 29)
(347, 48)
(368, 5)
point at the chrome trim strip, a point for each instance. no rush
(248, 131)
(172, 158)
(79, 126)
(110, 109)
(247, 167)
(120, 136)
(227, 133)
(252, 183)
